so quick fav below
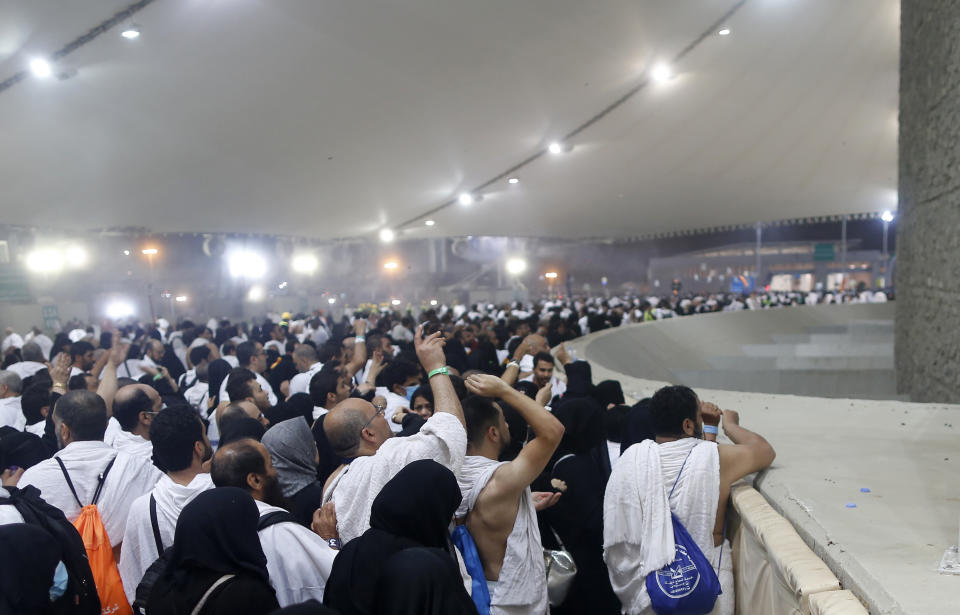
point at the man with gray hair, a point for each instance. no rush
(32, 362)
(308, 363)
(357, 430)
(10, 412)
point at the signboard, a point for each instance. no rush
(823, 252)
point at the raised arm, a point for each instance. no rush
(750, 452)
(517, 475)
(512, 373)
(430, 353)
(359, 347)
(108, 383)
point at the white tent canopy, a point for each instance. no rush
(339, 118)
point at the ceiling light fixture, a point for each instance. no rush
(40, 68)
(555, 148)
(661, 73)
(466, 198)
(887, 216)
(391, 265)
(513, 180)
(304, 263)
(724, 32)
(331, 300)
(395, 302)
(150, 251)
(387, 235)
(433, 302)
(180, 298)
(131, 33)
(516, 266)
(430, 222)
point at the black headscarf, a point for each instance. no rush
(582, 419)
(609, 392)
(30, 557)
(216, 531)
(423, 581)
(21, 449)
(412, 510)
(639, 425)
(216, 372)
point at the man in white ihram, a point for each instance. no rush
(357, 430)
(637, 529)
(181, 448)
(498, 507)
(80, 420)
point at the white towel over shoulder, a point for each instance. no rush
(637, 532)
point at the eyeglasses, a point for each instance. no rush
(380, 411)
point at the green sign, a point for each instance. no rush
(823, 252)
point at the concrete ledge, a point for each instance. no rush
(836, 603)
(886, 548)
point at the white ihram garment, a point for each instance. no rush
(442, 438)
(637, 530)
(139, 546)
(522, 585)
(298, 561)
(129, 478)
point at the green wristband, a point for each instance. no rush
(440, 370)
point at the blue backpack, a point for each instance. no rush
(688, 585)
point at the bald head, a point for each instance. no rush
(234, 463)
(130, 404)
(355, 428)
(537, 343)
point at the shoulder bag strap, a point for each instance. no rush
(203, 599)
(681, 471)
(69, 482)
(100, 481)
(155, 524)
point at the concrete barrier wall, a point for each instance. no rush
(884, 544)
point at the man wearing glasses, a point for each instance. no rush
(359, 433)
(134, 407)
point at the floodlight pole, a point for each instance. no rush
(756, 279)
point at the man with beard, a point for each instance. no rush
(298, 561)
(498, 507)
(181, 449)
(80, 420)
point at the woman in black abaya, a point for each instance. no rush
(216, 542)
(411, 513)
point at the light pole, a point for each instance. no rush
(887, 218)
(150, 253)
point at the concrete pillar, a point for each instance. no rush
(928, 241)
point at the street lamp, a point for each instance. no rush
(887, 218)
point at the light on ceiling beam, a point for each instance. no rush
(387, 235)
(433, 302)
(76, 257)
(513, 180)
(257, 293)
(150, 251)
(550, 275)
(332, 300)
(555, 148)
(395, 302)
(181, 298)
(661, 73)
(119, 309)
(126, 252)
(887, 216)
(466, 198)
(516, 266)
(45, 261)
(40, 68)
(724, 32)
(430, 222)
(304, 263)
(391, 265)
(131, 33)
(246, 264)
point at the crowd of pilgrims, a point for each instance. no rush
(375, 463)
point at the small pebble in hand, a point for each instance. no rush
(558, 484)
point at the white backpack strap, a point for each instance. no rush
(203, 599)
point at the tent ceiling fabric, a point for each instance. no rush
(334, 119)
